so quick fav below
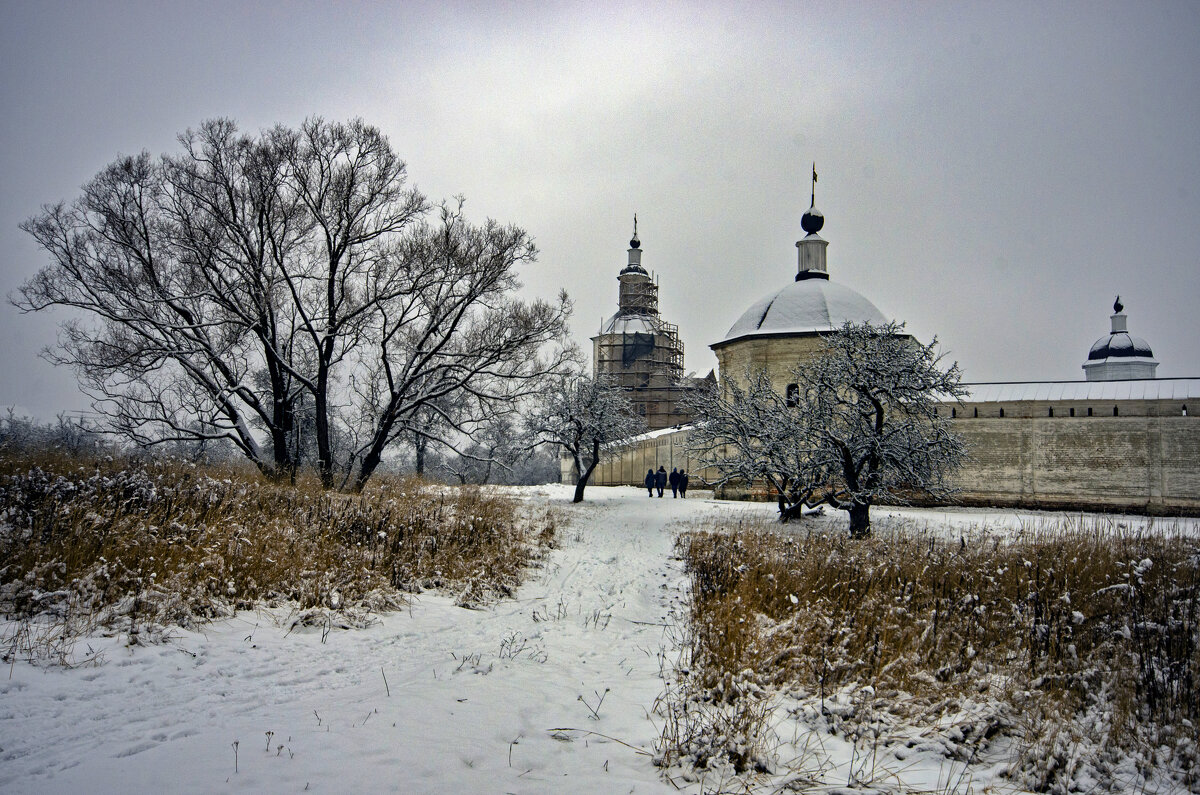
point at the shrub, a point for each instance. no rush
(172, 543)
(1093, 628)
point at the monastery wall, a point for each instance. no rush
(1145, 460)
(627, 467)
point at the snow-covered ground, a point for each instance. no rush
(552, 691)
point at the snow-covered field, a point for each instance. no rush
(552, 691)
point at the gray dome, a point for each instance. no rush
(1120, 344)
(630, 324)
(809, 306)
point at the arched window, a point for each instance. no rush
(1072, 412)
(1114, 411)
(954, 412)
(1002, 412)
(793, 395)
(977, 411)
(1051, 410)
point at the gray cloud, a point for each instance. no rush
(991, 173)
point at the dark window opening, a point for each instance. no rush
(793, 395)
(1089, 411)
(1114, 411)
(954, 412)
(1002, 412)
(977, 412)
(1051, 414)
(1072, 412)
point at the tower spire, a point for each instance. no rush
(812, 247)
(634, 242)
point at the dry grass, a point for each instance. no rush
(164, 543)
(1083, 638)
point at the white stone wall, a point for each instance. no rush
(1144, 460)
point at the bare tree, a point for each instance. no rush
(493, 449)
(288, 290)
(158, 348)
(586, 417)
(862, 427)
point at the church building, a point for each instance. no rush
(641, 351)
(1120, 439)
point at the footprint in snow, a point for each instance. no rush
(136, 749)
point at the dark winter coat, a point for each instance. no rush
(674, 478)
(650, 479)
(660, 478)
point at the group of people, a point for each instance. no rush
(659, 480)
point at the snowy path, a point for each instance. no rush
(473, 693)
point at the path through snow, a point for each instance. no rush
(474, 693)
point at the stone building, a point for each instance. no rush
(642, 351)
(1119, 440)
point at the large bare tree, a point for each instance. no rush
(861, 427)
(251, 282)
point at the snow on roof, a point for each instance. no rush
(630, 324)
(1142, 389)
(655, 434)
(1120, 344)
(804, 307)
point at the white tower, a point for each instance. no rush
(1120, 356)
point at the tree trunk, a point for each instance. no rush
(582, 483)
(369, 463)
(324, 443)
(789, 512)
(585, 475)
(419, 445)
(860, 520)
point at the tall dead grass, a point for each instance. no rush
(1084, 637)
(164, 543)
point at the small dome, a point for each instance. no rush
(1120, 345)
(808, 306)
(812, 220)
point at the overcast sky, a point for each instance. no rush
(990, 173)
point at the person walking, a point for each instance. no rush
(674, 481)
(660, 480)
(649, 482)
(683, 481)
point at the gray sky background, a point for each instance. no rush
(990, 173)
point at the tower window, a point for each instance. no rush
(976, 411)
(1072, 412)
(1051, 412)
(793, 395)
(1001, 411)
(1089, 411)
(1114, 411)
(954, 412)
